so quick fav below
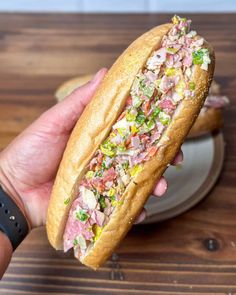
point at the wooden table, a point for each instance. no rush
(37, 53)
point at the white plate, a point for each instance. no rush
(189, 184)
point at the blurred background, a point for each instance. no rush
(118, 6)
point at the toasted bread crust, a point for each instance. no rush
(93, 127)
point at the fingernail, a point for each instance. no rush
(97, 75)
(161, 187)
(141, 217)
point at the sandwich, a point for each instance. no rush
(125, 139)
(211, 115)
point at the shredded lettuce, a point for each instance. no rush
(136, 100)
(202, 57)
(198, 56)
(140, 86)
(147, 90)
(164, 118)
(130, 117)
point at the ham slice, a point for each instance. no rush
(135, 142)
(167, 105)
(157, 59)
(109, 175)
(98, 217)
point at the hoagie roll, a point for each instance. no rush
(126, 138)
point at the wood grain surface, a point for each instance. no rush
(194, 253)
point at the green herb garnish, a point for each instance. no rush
(156, 112)
(81, 215)
(99, 173)
(140, 119)
(125, 165)
(102, 203)
(75, 242)
(104, 165)
(67, 201)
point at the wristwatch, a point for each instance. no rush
(12, 221)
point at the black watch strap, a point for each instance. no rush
(12, 221)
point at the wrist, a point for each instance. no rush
(8, 187)
(10, 190)
(5, 252)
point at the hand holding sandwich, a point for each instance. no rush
(29, 164)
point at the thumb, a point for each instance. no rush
(63, 116)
